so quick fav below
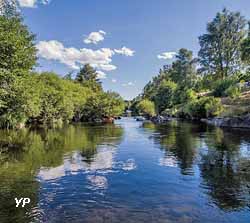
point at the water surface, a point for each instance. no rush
(127, 172)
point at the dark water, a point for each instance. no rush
(128, 172)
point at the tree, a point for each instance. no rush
(183, 69)
(88, 78)
(103, 104)
(164, 96)
(245, 48)
(9, 8)
(146, 107)
(17, 48)
(220, 46)
(151, 88)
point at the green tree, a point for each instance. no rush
(87, 76)
(151, 88)
(9, 8)
(17, 48)
(146, 107)
(11, 110)
(56, 101)
(220, 46)
(245, 48)
(164, 96)
(103, 104)
(183, 69)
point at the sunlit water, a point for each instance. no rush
(127, 172)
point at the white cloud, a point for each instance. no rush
(106, 67)
(27, 3)
(73, 57)
(101, 75)
(100, 59)
(32, 3)
(128, 84)
(113, 80)
(95, 37)
(167, 55)
(125, 51)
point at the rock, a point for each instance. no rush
(233, 122)
(159, 119)
(140, 119)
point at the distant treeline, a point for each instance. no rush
(192, 87)
(44, 98)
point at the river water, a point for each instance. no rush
(127, 172)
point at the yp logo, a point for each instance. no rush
(22, 201)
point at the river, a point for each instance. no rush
(126, 172)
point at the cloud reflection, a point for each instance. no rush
(169, 161)
(102, 163)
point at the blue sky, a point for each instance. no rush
(124, 39)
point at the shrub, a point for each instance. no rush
(233, 92)
(146, 107)
(221, 86)
(203, 108)
(183, 95)
(213, 107)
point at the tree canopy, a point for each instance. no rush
(28, 97)
(220, 46)
(190, 87)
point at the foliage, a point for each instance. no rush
(183, 69)
(87, 76)
(233, 92)
(9, 8)
(204, 107)
(45, 98)
(146, 107)
(245, 48)
(17, 48)
(221, 86)
(220, 46)
(14, 99)
(103, 104)
(165, 94)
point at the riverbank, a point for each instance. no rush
(232, 122)
(229, 122)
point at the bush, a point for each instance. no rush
(184, 95)
(233, 92)
(146, 107)
(221, 86)
(204, 107)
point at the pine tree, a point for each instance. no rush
(88, 78)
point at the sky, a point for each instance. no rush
(127, 41)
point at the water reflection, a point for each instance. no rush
(128, 172)
(180, 142)
(223, 158)
(49, 155)
(225, 168)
